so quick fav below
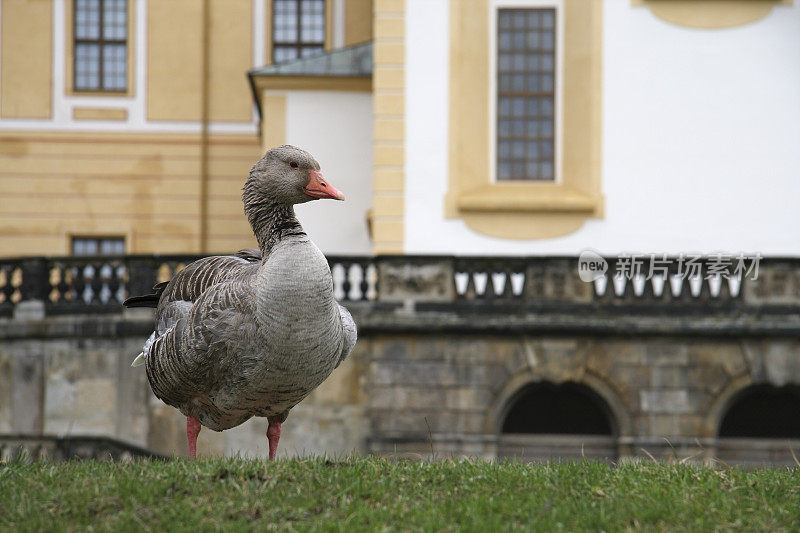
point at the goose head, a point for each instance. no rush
(287, 175)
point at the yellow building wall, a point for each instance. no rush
(357, 21)
(178, 60)
(175, 60)
(230, 57)
(26, 64)
(144, 187)
(230, 160)
(389, 127)
(164, 192)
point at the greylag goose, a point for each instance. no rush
(254, 333)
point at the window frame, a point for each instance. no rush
(101, 42)
(558, 72)
(524, 209)
(99, 240)
(69, 59)
(299, 44)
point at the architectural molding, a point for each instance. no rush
(711, 14)
(99, 113)
(525, 210)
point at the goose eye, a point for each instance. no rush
(294, 164)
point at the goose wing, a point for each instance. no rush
(173, 299)
(349, 333)
(189, 283)
(188, 361)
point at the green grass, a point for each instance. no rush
(356, 494)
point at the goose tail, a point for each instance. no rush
(140, 359)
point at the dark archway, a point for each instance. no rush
(567, 408)
(763, 411)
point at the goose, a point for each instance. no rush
(251, 334)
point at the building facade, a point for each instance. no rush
(483, 146)
(641, 126)
(156, 154)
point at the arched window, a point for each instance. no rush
(568, 408)
(764, 411)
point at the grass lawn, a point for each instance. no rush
(358, 493)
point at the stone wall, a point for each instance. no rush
(440, 358)
(71, 375)
(665, 395)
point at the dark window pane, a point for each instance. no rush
(115, 59)
(114, 19)
(283, 53)
(504, 20)
(87, 19)
(87, 58)
(548, 18)
(547, 170)
(548, 40)
(298, 29)
(525, 94)
(312, 51)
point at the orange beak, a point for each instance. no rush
(318, 187)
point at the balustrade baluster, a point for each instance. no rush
(346, 286)
(364, 285)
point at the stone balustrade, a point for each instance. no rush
(99, 284)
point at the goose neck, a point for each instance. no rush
(272, 222)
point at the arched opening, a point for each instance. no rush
(764, 411)
(549, 420)
(569, 408)
(759, 424)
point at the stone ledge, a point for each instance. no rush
(373, 319)
(65, 448)
(82, 326)
(778, 325)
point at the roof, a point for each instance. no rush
(353, 61)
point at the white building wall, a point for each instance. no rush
(701, 138)
(336, 127)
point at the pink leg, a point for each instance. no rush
(273, 435)
(192, 430)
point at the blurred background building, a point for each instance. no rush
(483, 145)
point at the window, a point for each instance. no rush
(98, 245)
(553, 181)
(525, 94)
(101, 45)
(298, 29)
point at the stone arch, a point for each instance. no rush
(567, 408)
(541, 445)
(747, 447)
(619, 418)
(744, 416)
(723, 401)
